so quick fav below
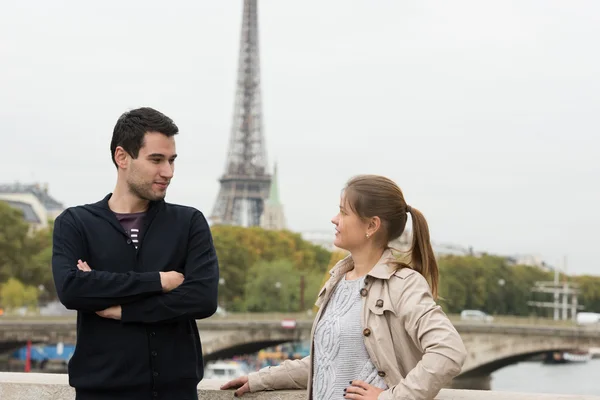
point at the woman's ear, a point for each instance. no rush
(374, 225)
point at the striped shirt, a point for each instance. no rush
(132, 224)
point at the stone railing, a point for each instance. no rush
(26, 386)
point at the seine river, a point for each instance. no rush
(528, 377)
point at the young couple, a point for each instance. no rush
(141, 271)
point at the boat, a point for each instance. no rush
(225, 370)
(563, 357)
(577, 357)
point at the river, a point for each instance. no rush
(535, 377)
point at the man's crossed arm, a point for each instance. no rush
(168, 280)
(146, 296)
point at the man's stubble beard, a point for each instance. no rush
(144, 191)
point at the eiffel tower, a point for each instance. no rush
(245, 183)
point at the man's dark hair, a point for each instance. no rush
(132, 126)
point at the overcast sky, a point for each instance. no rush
(486, 113)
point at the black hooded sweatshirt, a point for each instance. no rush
(154, 351)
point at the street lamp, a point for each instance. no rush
(501, 283)
(221, 284)
(278, 287)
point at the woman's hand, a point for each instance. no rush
(241, 384)
(361, 390)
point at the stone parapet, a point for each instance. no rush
(27, 386)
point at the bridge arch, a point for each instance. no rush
(246, 348)
(491, 351)
(495, 365)
(218, 344)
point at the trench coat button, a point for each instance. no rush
(363, 292)
(379, 303)
(366, 281)
(367, 332)
(128, 241)
(381, 374)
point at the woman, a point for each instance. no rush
(379, 333)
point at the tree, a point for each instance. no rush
(15, 295)
(239, 248)
(37, 267)
(13, 237)
(25, 255)
(590, 292)
(487, 283)
(275, 286)
(462, 283)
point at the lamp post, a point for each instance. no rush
(221, 285)
(501, 283)
(278, 287)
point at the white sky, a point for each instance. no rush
(484, 112)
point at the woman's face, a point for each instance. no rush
(350, 229)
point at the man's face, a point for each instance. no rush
(149, 175)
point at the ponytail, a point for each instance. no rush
(422, 257)
(372, 195)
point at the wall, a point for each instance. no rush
(22, 386)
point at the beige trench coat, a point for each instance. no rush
(409, 339)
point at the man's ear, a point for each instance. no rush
(121, 157)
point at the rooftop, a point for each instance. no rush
(29, 213)
(38, 190)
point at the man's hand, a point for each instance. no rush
(83, 266)
(361, 390)
(113, 312)
(241, 384)
(170, 280)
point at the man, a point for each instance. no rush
(139, 271)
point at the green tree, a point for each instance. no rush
(518, 287)
(25, 255)
(13, 238)
(15, 295)
(276, 285)
(239, 248)
(590, 292)
(488, 283)
(462, 283)
(37, 265)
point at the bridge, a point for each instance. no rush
(490, 346)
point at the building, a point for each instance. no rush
(531, 260)
(34, 201)
(273, 216)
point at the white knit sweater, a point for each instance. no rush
(340, 355)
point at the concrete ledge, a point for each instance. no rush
(27, 386)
